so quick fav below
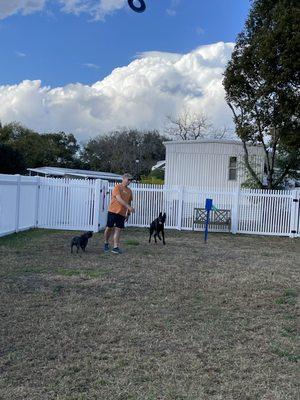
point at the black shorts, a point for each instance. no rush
(115, 220)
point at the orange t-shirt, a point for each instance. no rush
(126, 195)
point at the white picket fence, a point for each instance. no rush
(265, 212)
(75, 204)
(72, 204)
(18, 203)
(34, 202)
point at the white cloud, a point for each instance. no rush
(10, 7)
(171, 12)
(97, 9)
(91, 65)
(200, 31)
(172, 9)
(20, 54)
(139, 95)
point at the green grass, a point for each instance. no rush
(132, 242)
(85, 273)
(289, 331)
(23, 239)
(291, 357)
(289, 297)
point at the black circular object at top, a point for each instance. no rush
(139, 9)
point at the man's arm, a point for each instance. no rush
(128, 212)
(121, 201)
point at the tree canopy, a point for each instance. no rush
(262, 86)
(11, 160)
(55, 149)
(126, 150)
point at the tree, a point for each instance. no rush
(262, 86)
(154, 178)
(187, 126)
(60, 150)
(127, 150)
(192, 126)
(11, 161)
(26, 141)
(151, 150)
(52, 149)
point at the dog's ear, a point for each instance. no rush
(164, 215)
(160, 214)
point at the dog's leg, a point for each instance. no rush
(77, 249)
(155, 234)
(163, 235)
(150, 234)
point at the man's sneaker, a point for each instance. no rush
(116, 250)
(106, 247)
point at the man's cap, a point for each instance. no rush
(128, 176)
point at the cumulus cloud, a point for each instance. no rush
(139, 95)
(97, 9)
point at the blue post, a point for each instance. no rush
(208, 207)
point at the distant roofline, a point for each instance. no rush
(223, 141)
(59, 171)
(159, 164)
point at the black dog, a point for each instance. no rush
(81, 241)
(157, 226)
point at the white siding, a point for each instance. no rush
(206, 163)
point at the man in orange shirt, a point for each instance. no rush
(118, 212)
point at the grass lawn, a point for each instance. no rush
(181, 321)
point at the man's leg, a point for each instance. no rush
(107, 233)
(117, 234)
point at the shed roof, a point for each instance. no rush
(218, 141)
(78, 173)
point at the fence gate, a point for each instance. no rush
(72, 204)
(295, 214)
(102, 204)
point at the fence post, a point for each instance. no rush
(37, 202)
(97, 205)
(235, 212)
(17, 216)
(180, 206)
(294, 213)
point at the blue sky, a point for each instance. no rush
(93, 66)
(60, 48)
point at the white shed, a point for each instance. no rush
(213, 164)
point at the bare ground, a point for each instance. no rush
(181, 321)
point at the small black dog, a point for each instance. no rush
(157, 226)
(81, 241)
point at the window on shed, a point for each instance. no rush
(232, 176)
